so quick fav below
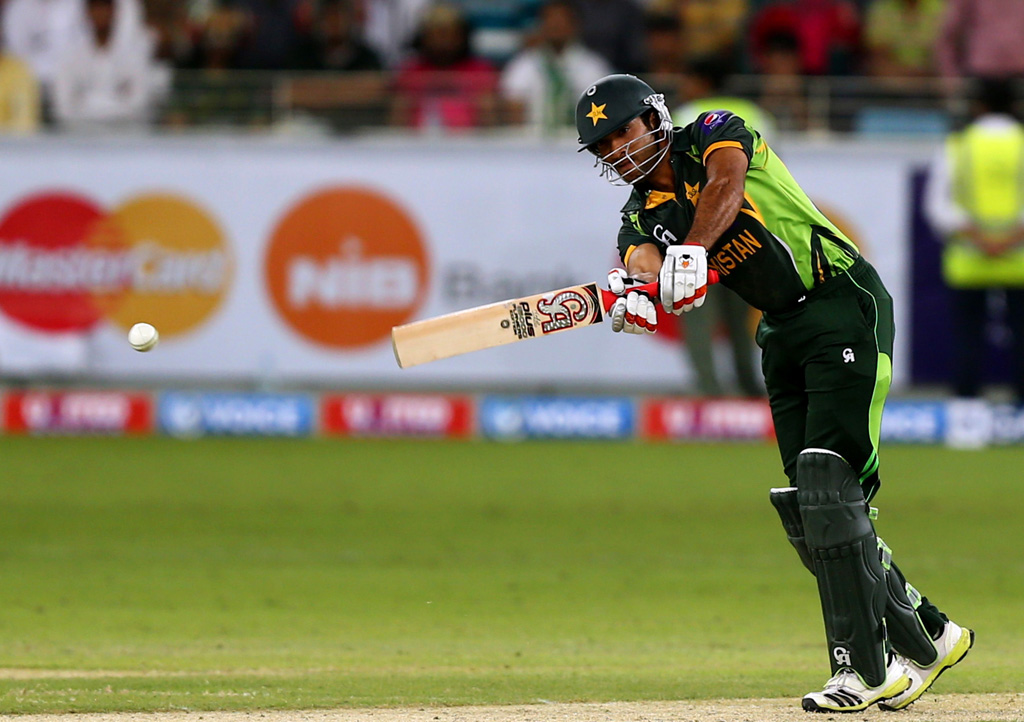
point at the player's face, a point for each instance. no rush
(631, 150)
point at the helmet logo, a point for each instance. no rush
(597, 112)
(591, 90)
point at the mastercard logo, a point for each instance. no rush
(66, 263)
(344, 265)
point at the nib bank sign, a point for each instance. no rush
(66, 263)
(344, 265)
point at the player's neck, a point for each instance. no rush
(663, 178)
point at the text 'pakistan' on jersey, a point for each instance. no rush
(780, 245)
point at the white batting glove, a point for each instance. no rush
(684, 278)
(633, 313)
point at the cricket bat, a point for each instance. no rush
(505, 322)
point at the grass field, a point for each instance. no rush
(153, 574)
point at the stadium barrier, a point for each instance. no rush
(46, 412)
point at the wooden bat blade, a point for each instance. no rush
(497, 324)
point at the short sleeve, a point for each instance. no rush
(720, 129)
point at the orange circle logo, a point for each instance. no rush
(344, 266)
(65, 263)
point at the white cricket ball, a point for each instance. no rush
(143, 337)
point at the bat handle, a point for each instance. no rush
(651, 289)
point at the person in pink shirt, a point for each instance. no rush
(443, 84)
(981, 38)
(828, 33)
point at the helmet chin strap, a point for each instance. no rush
(662, 133)
(645, 167)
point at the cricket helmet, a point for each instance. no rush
(611, 103)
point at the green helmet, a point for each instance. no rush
(613, 101)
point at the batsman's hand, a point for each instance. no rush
(684, 278)
(633, 312)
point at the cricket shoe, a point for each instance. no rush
(952, 645)
(846, 691)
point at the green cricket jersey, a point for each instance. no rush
(780, 245)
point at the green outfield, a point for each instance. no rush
(155, 574)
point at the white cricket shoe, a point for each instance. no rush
(952, 645)
(846, 691)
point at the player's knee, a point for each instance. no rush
(831, 500)
(825, 477)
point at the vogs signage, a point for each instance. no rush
(229, 414)
(556, 418)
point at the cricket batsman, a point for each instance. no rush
(712, 194)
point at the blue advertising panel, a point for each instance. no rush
(235, 414)
(556, 418)
(914, 422)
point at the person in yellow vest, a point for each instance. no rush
(20, 101)
(975, 200)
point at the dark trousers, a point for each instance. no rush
(971, 313)
(827, 366)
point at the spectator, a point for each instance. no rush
(900, 37)
(501, 27)
(20, 105)
(216, 97)
(714, 28)
(275, 29)
(542, 83)
(827, 34)
(220, 41)
(444, 85)
(108, 78)
(975, 200)
(704, 90)
(782, 85)
(615, 29)
(176, 34)
(336, 42)
(666, 49)
(39, 31)
(981, 38)
(354, 94)
(390, 25)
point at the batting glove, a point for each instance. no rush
(635, 312)
(684, 278)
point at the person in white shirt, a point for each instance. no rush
(541, 83)
(389, 26)
(109, 78)
(39, 31)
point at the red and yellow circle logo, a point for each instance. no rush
(65, 263)
(345, 265)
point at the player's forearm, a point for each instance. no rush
(717, 208)
(644, 263)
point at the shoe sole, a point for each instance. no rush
(928, 683)
(895, 690)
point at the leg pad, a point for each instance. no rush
(903, 624)
(843, 548)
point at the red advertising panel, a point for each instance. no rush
(398, 415)
(707, 420)
(78, 412)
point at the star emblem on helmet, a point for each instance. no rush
(597, 112)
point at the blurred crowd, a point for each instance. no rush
(461, 63)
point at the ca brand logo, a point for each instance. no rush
(842, 656)
(848, 357)
(664, 235)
